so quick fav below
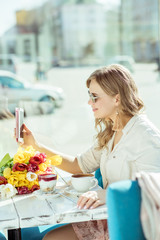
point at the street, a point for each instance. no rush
(71, 128)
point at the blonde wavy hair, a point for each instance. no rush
(115, 79)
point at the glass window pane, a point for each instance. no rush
(54, 46)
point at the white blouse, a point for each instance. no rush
(137, 150)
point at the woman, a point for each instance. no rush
(126, 142)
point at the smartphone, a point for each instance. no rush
(19, 113)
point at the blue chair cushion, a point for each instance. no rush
(99, 177)
(2, 236)
(37, 233)
(34, 233)
(123, 202)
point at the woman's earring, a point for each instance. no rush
(117, 126)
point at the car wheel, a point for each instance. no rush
(49, 104)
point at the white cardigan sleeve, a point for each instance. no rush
(89, 161)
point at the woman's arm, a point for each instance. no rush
(69, 163)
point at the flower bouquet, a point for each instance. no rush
(19, 175)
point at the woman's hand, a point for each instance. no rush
(92, 199)
(28, 138)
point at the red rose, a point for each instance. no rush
(23, 190)
(3, 180)
(42, 156)
(32, 167)
(38, 158)
(19, 167)
(34, 188)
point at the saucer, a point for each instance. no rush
(43, 195)
(72, 191)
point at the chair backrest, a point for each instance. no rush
(123, 202)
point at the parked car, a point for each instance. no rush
(16, 90)
(8, 62)
(124, 60)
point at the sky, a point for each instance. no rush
(8, 9)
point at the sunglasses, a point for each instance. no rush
(92, 97)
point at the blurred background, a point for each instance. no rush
(48, 48)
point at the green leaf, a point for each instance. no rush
(5, 160)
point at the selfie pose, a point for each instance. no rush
(126, 143)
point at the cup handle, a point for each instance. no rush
(95, 183)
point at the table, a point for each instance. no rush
(23, 211)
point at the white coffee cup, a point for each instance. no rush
(83, 182)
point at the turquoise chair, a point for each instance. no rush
(37, 233)
(123, 202)
(98, 176)
(34, 233)
(2, 237)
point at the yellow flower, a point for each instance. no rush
(13, 180)
(19, 172)
(33, 183)
(55, 160)
(21, 176)
(23, 156)
(43, 167)
(22, 183)
(31, 150)
(39, 172)
(7, 172)
(18, 157)
(18, 178)
(48, 161)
